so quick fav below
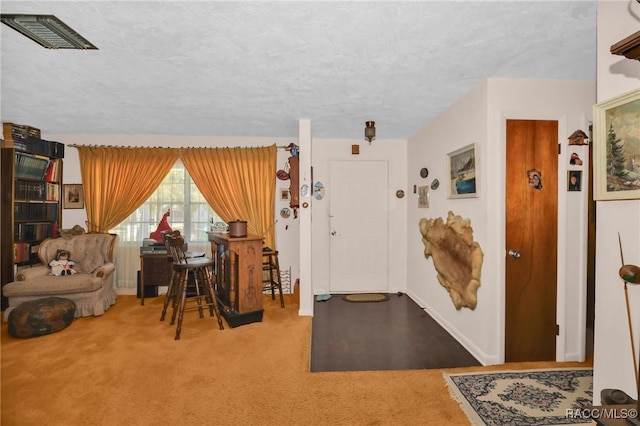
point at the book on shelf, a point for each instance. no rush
(25, 252)
(39, 191)
(29, 166)
(19, 131)
(53, 191)
(26, 211)
(28, 139)
(52, 173)
(33, 231)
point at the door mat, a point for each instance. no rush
(527, 397)
(365, 297)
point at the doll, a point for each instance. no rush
(61, 265)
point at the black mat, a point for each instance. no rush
(396, 335)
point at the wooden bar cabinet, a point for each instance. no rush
(238, 268)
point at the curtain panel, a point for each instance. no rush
(238, 183)
(117, 180)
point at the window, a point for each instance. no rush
(177, 193)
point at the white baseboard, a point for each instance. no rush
(466, 343)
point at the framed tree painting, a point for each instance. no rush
(462, 172)
(616, 148)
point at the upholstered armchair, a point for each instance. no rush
(91, 288)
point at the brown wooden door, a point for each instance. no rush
(531, 235)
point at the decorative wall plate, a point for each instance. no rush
(285, 212)
(424, 172)
(318, 191)
(304, 190)
(435, 184)
(400, 193)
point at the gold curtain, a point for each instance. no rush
(117, 180)
(238, 183)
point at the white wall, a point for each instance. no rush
(570, 104)
(479, 117)
(613, 365)
(305, 241)
(463, 123)
(390, 150)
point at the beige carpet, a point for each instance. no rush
(125, 368)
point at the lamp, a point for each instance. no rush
(370, 131)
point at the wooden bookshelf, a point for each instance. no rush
(30, 205)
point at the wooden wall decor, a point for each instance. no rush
(629, 47)
(456, 257)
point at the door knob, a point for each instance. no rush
(514, 253)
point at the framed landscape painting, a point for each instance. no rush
(462, 172)
(616, 151)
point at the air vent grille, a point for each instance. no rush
(47, 31)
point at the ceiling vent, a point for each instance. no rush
(47, 31)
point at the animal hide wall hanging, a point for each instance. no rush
(456, 257)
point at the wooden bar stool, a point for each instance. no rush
(200, 269)
(172, 295)
(172, 291)
(271, 265)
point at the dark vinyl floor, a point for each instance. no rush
(392, 335)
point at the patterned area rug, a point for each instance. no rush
(526, 397)
(365, 297)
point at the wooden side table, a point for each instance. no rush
(155, 270)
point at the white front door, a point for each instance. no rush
(358, 224)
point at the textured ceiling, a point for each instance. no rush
(255, 68)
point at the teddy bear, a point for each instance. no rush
(62, 265)
(67, 234)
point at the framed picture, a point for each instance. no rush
(73, 196)
(616, 151)
(574, 180)
(462, 172)
(284, 194)
(423, 197)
